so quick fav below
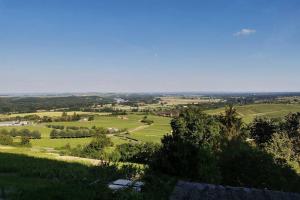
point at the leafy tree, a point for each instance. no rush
(137, 152)
(231, 123)
(6, 140)
(292, 125)
(188, 152)
(196, 127)
(280, 146)
(25, 141)
(99, 143)
(243, 165)
(262, 129)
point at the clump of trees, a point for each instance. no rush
(23, 133)
(70, 133)
(220, 150)
(136, 152)
(76, 132)
(61, 127)
(95, 149)
(25, 141)
(146, 120)
(6, 139)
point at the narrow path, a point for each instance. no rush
(138, 128)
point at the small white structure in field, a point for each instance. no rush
(14, 123)
(124, 183)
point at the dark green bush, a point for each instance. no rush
(137, 152)
(6, 140)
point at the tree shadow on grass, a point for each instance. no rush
(244, 165)
(24, 177)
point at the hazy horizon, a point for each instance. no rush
(64, 46)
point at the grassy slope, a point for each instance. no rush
(154, 132)
(249, 112)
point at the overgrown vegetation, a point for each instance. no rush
(22, 133)
(214, 149)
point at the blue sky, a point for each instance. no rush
(149, 45)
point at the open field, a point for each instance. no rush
(249, 112)
(49, 114)
(131, 122)
(181, 100)
(154, 132)
(141, 132)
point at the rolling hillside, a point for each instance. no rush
(249, 112)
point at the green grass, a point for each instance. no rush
(29, 177)
(73, 142)
(249, 112)
(107, 122)
(154, 132)
(57, 143)
(39, 127)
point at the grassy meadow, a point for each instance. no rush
(131, 122)
(249, 112)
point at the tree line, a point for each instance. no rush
(35, 134)
(223, 150)
(75, 132)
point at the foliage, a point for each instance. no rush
(231, 123)
(281, 147)
(137, 152)
(262, 129)
(195, 127)
(69, 133)
(243, 165)
(95, 149)
(61, 127)
(38, 178)
(292, 125)
(23, 132)
(6, 140)
(182, 159)
(188, 154)
(25, 141)
(147, 121)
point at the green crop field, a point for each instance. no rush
(49, 114)
(249, 112)
(131, 122)
(154, 132)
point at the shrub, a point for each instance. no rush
(186, 160)
(6, 140)
(23, 132)
(261, 130)
(280, 146)
(147, 121)
(25, 141)
(246, 166)
(137, 152)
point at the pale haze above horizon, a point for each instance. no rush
(149, 45)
